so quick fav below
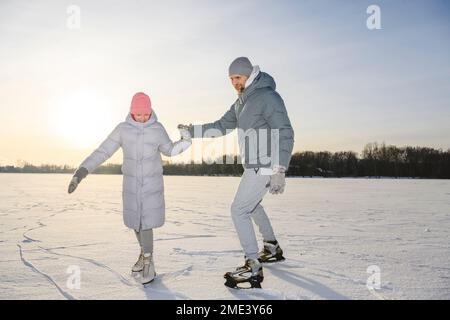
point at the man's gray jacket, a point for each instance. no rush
(265, 134)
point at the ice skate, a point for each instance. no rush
(251, 273)
(148, 271)
(271, 252)
(139, 265)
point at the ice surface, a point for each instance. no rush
(332, 231)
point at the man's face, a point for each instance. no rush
(238, 81)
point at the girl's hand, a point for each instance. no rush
(79, 175)
(73, 184)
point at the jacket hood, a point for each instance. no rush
(263, 80)
(153, 118)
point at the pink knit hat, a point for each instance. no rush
(141, 104)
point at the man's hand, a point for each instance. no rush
(185, 134)
(277, 180)
(185, 126)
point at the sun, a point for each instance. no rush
(83, 118)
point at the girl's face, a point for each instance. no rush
(141, 117)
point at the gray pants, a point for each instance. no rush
(145, 239)
(246, 206)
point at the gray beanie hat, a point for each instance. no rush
(241, 66)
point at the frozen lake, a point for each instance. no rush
(332, 231)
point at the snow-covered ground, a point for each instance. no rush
(332, 231)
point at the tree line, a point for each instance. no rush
(376, 160)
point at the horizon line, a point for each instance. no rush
(26, 162)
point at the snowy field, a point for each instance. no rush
(332, 231)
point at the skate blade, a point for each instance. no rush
(147, 284)
(135, 272)
(137, 276)
(244, 284)
(272, 260)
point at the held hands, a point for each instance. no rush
(185, 126)
(185, 131)
(277, 180)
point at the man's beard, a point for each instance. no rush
(239, 88)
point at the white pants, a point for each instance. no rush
(246, 205)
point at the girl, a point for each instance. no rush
(142, 139)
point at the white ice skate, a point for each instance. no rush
(148, 271)
(139, 265)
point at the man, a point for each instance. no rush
(266, 140)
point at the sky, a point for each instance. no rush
(67, 74)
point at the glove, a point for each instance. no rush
(73, 184)
(185, 134)
(277, 180)
(79, 175)
(189, 128)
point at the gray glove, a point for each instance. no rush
(79, 175)
(277, 181)
(184, 132)
(73, 184)
(189, 128)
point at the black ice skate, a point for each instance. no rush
(271, 252)
(250, 273)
